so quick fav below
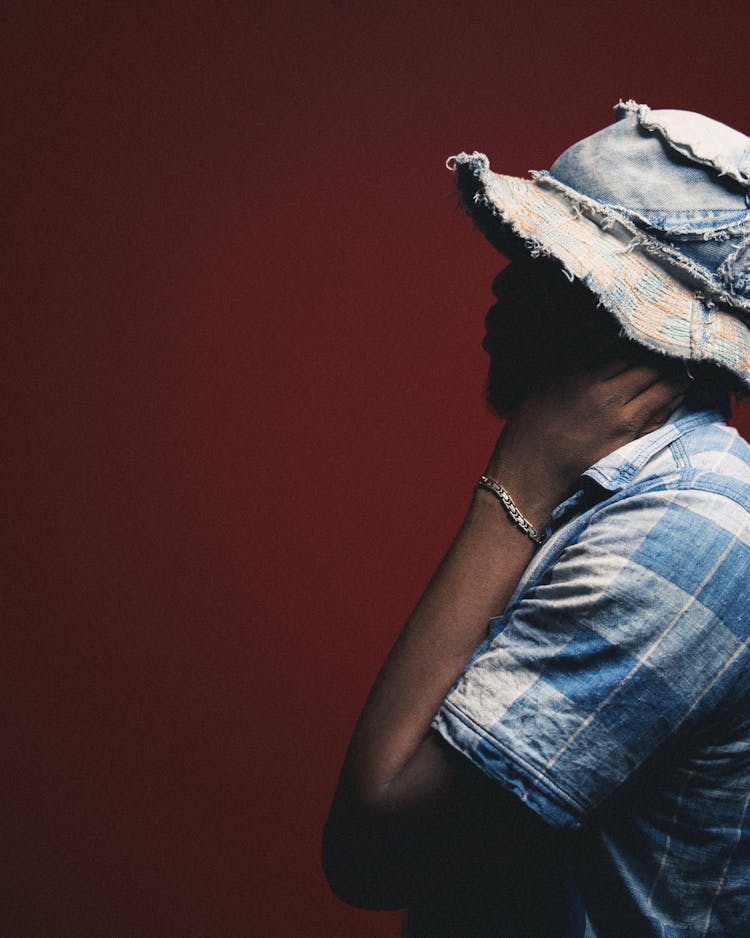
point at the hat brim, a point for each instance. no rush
(656, 303)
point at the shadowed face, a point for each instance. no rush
(544, 327)
(541, 328)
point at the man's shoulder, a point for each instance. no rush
(695, 461)
(705, 456)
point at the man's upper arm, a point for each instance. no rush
(633, 633)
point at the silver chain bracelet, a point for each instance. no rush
(510, 506)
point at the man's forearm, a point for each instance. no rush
(392, 762)
(404, 801)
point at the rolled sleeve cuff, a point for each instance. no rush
(556, 807)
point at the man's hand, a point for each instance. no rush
(556, 434)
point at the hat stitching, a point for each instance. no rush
(734, 272)
(687, 232)
(597, 210)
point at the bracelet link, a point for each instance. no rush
(511, 508)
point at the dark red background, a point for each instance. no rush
(244, 408)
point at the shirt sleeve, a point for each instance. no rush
(632, 633)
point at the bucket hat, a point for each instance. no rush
(652, 214)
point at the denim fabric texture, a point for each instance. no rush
(612, 696)
(652, 213)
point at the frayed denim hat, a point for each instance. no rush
(652, 214)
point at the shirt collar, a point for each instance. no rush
(615, 471)
(618, 468)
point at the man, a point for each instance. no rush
(593, 743)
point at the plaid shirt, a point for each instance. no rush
(612, 695)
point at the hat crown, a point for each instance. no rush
(677, 174)
(661, 165)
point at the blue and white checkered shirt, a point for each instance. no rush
(613, 695)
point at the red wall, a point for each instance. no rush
(244, 380)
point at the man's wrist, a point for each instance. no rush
(511, 508)
(493, 517)
(535, 496)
